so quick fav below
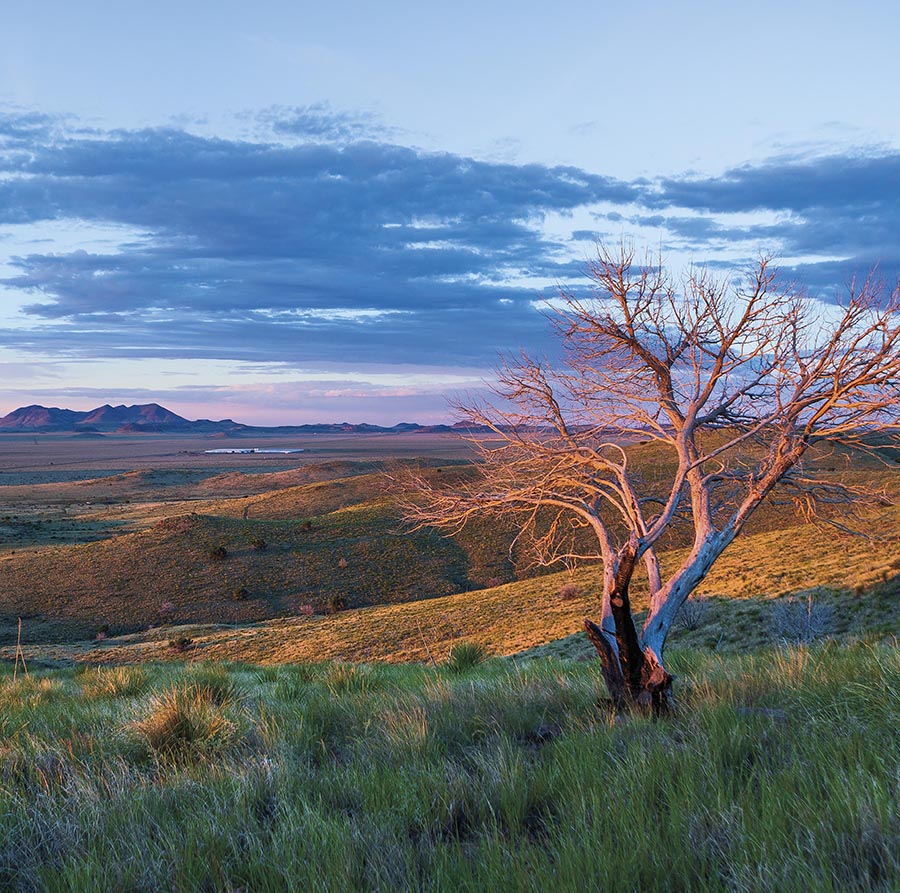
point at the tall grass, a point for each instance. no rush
(780, 772)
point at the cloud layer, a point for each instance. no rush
(325, 241)
(261, 250)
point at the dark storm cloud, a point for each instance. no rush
(230, 237)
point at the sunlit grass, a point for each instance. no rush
(778, 773)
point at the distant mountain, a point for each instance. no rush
(151, 418)
(40, 418)
(108, 417)
(144, 418)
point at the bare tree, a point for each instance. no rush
(735, 382)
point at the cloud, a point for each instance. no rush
(319, 121)
(843, 208)
(255, 250)
(326, 241)
(799, 185)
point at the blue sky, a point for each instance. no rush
(292, 212)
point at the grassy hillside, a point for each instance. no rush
(276, 553)
(202, 568)
(857, 578)
(779, 773)
(256, 547)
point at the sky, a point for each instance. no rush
(289, 212)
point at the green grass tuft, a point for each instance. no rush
(465, 656)
(114, 682)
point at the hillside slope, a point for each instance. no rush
(306, 541)
(857, 578)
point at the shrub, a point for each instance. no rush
(218, 552)
(693, 612)
(465, 656)
(259, 544)
(493, 581)
(336, 602)
(568, 591)
(242, 593)
(305, 611)
(801, 620)
(166, 612)
(181, 644)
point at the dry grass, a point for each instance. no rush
(341, 538)
(860, 578)
(184, 723)
(114, 682)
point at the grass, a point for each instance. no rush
(277, 761)
(464, 657)
(113, 682)
(778, 773)
(186, 723)
(195, 560)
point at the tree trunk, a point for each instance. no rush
(634, 676)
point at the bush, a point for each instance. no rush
(465, 656)
(336, 602)
(568, 591)
(218, 552)
(693, 612)
(242, 593)
(181, 644)
(259, 544)
(801, 620)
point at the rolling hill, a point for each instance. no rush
(195, 547)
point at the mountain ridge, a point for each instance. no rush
(152, 418)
